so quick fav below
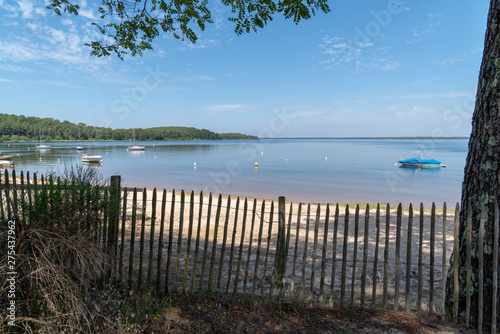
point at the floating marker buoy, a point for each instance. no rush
(155, 156)
(40, 159)
(261, 152)
(326, 158)
(256, 165)
(286, 160)
(58, 160)
(195, 164)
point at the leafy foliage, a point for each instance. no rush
(15, 128)
(131, 26)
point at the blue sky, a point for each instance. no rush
(368, 68)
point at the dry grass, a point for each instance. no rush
(54, 272)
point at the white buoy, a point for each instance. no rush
(326, 158)
(195, 164)
(256, 165)
(261, 152)
(286, 160)
(155, 156)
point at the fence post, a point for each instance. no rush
(114, 213)
(281, 245)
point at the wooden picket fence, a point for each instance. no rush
(366, 255)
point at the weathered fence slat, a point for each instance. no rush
(386, 255)
(456, 257)
(432, 252)
(170, 240)
(242, 240)
(288, 233)
(334, 255)
(398, 250)
(143, 229)
(365, 254)
(408, 257)
(152, 238)
(214, 247)
(224, 239)
(280, 260)
(315, 246)
(254, 210)
(295, 254)
(259, 242)
(375, 257)
(190, 234)
(304, 254)
(233, 239)
(355, 255)
(207, 240)
(344, 256)
(267, 247)
(420, 259)
(197, 245)
(179, 239)
(30, 191)
(443, 264)
(122, 241)
(160, 240)
(132, 239)
(323, 254)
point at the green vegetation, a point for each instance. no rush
(15, 128)
(131, 26)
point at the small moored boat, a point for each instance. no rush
(5, 157)
(6, 163)
(421, 163)
(90, 158)
(135, 147)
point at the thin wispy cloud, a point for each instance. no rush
(428, 27)
(342, 52)
(226, 107)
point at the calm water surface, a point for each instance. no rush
(302, 170)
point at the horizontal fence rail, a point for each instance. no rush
(375, 256)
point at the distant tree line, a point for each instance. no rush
(15, 128)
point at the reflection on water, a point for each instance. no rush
(355, 170)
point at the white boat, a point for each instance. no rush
(6, 157)
(135, 147)
(40, 146)
(90, 158)
(6, 163)
(79, 147)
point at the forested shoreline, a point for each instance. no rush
(15, 128)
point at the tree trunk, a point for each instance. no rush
(481, 184)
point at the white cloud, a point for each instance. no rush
(226, 107)
(197, 77)
(5, 80)
(26, 8)
(340, 51)
(416, 113)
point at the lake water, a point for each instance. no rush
(307, 170)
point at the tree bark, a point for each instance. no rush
(481, 184)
